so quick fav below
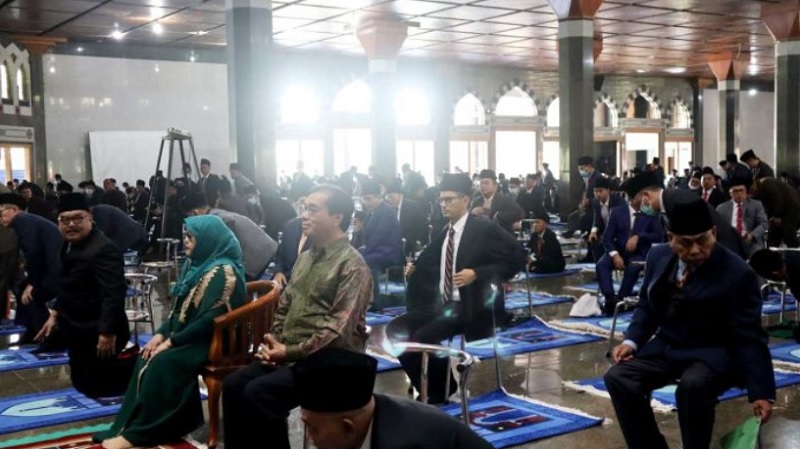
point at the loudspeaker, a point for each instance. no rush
(598, 82)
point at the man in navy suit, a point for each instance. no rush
(383, 238)
(601, 204)
(698, 321)
(293, 243)
(454, 295)
(627, 240)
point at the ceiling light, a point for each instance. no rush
(156, 68)
(752, 92)
(202, 33)
(192, 57)
(641, 71)
(52, 69)
(80, 49)
(676, 70)
(158, 28)
(117, 34)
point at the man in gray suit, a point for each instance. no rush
(746, 215)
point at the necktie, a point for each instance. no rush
(684, 276)
(635, 219)
(739, 226)
(705, 195)
(448, 266)
(604, 213)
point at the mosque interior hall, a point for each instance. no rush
(625, 174)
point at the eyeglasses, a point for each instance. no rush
(66, 221)
(446, 200)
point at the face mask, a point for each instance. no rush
(695, 187)
(88, 192)
(648, 210)
(584, 173)
(252, 200)
(514, 190)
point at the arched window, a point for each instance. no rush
(680, 116)
(412, 108)
(22, 85)
(354, 98)
(643, 107)
(469, 111)
(516, 103)
(5, 89)
(299, 106)
(603, 116)
(554, 114)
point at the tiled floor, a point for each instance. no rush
(537, 375)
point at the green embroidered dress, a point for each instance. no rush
(162, 403)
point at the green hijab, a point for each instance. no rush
(215, 245)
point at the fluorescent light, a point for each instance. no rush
(676, 70)
(117, 34)
(641, 71)
(202, 33)
(158, 28)
(752, 92)
(192, 57)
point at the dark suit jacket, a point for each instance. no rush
(42, 208)
(118, 199)
(40, 242)
(121, 229)
(92, 287)
(140, 205)
(414, 224)
(505, 211)
(726, 234)
(763, 170)
(550, 259)
(597, 213)
(286, 256)
(484, 247)
(533, 202)
(780, 200)
(395, 418)
(383, 246)
(619, 231)
(718, 320)
(715, 198)
(276, 212)
(210, 185)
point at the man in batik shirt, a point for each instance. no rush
(324, 305)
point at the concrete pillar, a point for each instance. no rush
(783, 22)
(251, 102)
(728, 68)
(382, 37)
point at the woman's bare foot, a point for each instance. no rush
(117, 443)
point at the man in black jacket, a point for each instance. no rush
(412, 217)
(492, 204)
(120, 228)
(546, 254)
(341, 412)
(760, 168)
(90, 309)
(451, 286)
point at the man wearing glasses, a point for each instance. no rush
(451, 284)
(90, 309)
(39, 241)
(746, 215)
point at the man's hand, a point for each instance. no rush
(280, 279)
(632, 242)
(775, 221)
(592, 237)
(464, 277)
(749, 238)
(409, 269)
(106, 345)
(622, 353)
(48, 327)
(147, 350)
(272, 352)
(762, 409)
(478, 210)
(619, 262)
(27, 295)
(161, 348)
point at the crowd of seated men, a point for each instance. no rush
(462, 247)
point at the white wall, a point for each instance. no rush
(757, 124)
(110, 94)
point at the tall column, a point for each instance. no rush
(783, 22)
(251, 108)
(382, 38)
(577, 51)
(728, 67)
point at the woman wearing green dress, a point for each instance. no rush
(162, 403)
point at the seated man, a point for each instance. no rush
(324, 304)
(383, 239)
(699, 321)
(546, 255)
(294, 242)
(341, 412)
(450, 286)
(601, 205)
(627, 240)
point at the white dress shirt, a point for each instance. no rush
(459, 231)
(367, 444)
(632, 213)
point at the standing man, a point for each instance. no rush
(324, 305)
(677, 333)
(412, 217)
(760, 168)
(240, 181)
(209, 182)
(451, 286)
(120, 228)
(383, 246)
(40, 242)
(601, 204)
(493, 205)
(782, 203)
(746, 215)
(90, 310)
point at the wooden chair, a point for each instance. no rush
(237, 335)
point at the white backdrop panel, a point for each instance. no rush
(127, 155)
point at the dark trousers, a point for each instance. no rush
(33, 316)
(631, 383)
(256, 401)
(783, 233)
(605, 266)
(8, 272)
(430, 328)
(97, 376)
